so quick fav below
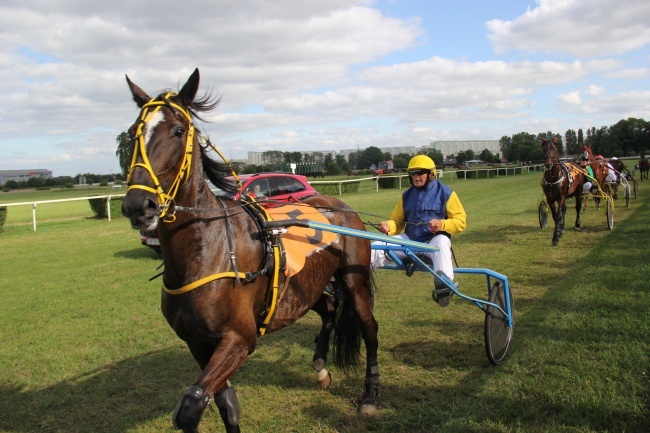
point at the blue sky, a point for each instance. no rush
(315, 75)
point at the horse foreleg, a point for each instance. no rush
(578, 207)
(557, 218)
(326, 309)
(225, 360)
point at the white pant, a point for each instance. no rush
(611, 176)
(441, 259)
(586, 188)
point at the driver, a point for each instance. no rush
(589, 176)
(430, 212)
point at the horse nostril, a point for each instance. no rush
(150, 208)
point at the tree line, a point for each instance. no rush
(625, 138)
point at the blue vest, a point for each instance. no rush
(421, 205)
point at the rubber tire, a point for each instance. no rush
(542, 215)
(626, 187)
(636, 188)
(498, 335)
(609, 212)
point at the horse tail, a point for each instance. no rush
(346, 344)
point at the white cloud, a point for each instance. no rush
(583, 28)
(305, 75)
(594, 90)
(571, 98)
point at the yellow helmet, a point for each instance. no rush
(422, 162)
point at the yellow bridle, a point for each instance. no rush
(164, 198)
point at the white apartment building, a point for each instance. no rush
(454, 147)
(409, 150)
(255, 158)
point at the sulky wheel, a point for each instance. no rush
(498, 334)
(635, 187)
(543, 215)
(626, 188)
(609, 211)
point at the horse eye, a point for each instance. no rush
(178, 132)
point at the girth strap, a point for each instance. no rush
(202, 281)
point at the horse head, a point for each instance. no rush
(550, 153)
(162, 156)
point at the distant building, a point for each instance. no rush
(478, 146)
(409, 150)
(256, 158)
(23, 175)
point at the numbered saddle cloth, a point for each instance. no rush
(300, 242)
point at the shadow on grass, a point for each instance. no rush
(139, 253)
(112, 399)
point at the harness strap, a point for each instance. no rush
(272, 295)
(201, 282)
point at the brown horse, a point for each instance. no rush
(559, 182)
(600, 173)
(644, 167)
(221, 263)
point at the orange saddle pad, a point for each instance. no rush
(300, 242)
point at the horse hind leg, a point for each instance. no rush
(326, 309)
(357, 321)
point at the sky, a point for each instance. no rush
(298, 75)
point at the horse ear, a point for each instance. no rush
(139, 95)
(188, 92)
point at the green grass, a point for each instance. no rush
(84, 347)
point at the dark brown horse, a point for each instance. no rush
(559, 182)
(219, 261)
(644, 167)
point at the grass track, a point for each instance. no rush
(84, 347)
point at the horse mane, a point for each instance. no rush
(217, 171)
(203, 104)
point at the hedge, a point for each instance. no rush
(3, 217)
(388, 182)
(333, 188)
(98, 206)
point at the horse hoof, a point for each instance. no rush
(324, 379)
(366, 410)
(554, 243)
(318, 364)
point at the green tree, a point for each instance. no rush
(487, 156)
(371, 155)
(581, 138)
(571, 138)
(354, 159)
(295, 157)
(400, 163)
(436, 155)
(123, 152)
(273, 159)
(333, 169)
